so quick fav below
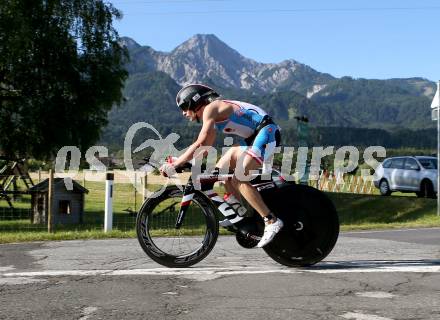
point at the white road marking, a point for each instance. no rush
(13, 281)
(6, 268)
(361, 316)
(202, 277)
(215, 272)
(87, 312)
(170, 293)
(387, 231)
(422, 269)
(375, 294)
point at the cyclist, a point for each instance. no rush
(250, 122)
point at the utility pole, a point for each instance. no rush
(303, 135)
(435, 106)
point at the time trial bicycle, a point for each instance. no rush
(180, 228)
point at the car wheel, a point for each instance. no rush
(426, 189)
(384, 188)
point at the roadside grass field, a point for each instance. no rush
(356, 212)
(366, 212)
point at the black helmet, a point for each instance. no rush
(195, 96)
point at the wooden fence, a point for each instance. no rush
(344, 183)
(327, 181)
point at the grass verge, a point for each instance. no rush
(367, 212)
(356, 212)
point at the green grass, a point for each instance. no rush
(124, 197)
(363, 212)
(356, 212)
(12, 237)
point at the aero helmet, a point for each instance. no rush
(195, 96)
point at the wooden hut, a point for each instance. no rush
(67, 205)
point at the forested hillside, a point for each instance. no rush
(341, 110)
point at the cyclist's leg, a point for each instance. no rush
(227, 163)
(250, 158)
(232, 196)
(245, 159)
(262, 148)
(248, 161)
(252, 196)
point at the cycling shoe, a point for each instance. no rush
(270, 230)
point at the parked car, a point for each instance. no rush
(408, 174)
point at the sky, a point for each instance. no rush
(374, 39)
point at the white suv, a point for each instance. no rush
(407, 174)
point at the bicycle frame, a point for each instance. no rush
(207, 182)
(207, 185)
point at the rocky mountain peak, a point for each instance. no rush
(201, 40)
(204, 46)
(205, 57)
(129, 43)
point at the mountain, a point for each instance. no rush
(284, 89)
(205, 57)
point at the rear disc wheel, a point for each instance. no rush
(311, 226)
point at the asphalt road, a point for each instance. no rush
(369, 276)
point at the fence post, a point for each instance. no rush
(108, 215)
(345, 184)
(144, 187)
(364, 185)
(321, 180)
(371, 190)
(356, 188)
(135, 191)
(353, 184)
(50, 203)
(325, 183)
(329, 181)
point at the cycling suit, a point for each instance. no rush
(243, 122)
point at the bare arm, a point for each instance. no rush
(206, 136)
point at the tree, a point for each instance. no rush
(61, 71)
